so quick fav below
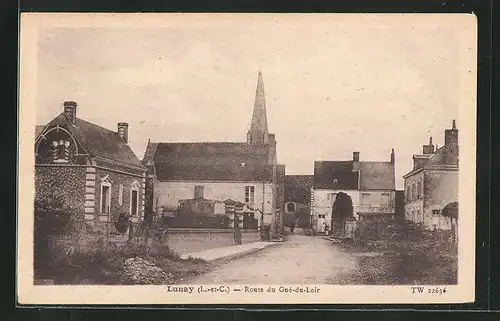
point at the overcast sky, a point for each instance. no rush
(332, 85)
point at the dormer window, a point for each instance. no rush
(335, 181)
(60, 149)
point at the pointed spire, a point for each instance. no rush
(258, 128)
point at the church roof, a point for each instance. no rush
(212, 161)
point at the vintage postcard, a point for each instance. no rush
(247, 158)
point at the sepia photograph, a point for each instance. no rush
(247, 158)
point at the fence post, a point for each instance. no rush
(238, 212)
(229, 210)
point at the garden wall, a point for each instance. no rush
(184, 240)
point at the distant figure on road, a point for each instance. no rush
(292, 227)
(325, 228)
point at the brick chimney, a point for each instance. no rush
(123, 131)
(393, 156)
(428, 149)
(355, 161)
(451, 138)
(70, 111)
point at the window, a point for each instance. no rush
(249, 194)
(335, 180)
(365, 199)
(105, 197)
(198, 192)
(419, 190)
(290, 207)
(436, 212)
(134, 203)
(120, 195)
(413, 192)
(385, 199)
(134, 199)
(407, 193)
(60, 151)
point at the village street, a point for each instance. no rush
(299, 260)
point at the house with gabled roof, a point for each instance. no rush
(90, 169)
(246, 172)
(433, 182)
(370, 184)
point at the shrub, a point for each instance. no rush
(122, 223)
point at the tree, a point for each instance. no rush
(451, 211)
(342, 207)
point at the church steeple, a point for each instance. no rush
(258, 133)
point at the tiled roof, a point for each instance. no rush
(377, 175)
(99, 141)
(335, 175)
(214, 161)
(340, 175)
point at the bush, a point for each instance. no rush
(53, 224)
(122, 223)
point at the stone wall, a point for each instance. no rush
(169, 193)
(64, 182)
(116, 179)
(183, 240)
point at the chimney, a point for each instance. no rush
(70, 111)
(451, 136)
(355, 161)
(393, 157)
(123, 131)
(428, 149)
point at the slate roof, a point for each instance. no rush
(377, 175)
(325, 172)
(99, 141)
(340, 175)
(212, 161)
(442, 157)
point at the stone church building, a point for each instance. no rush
(246, 172)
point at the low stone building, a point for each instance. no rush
(90, 169)
(433, 182)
